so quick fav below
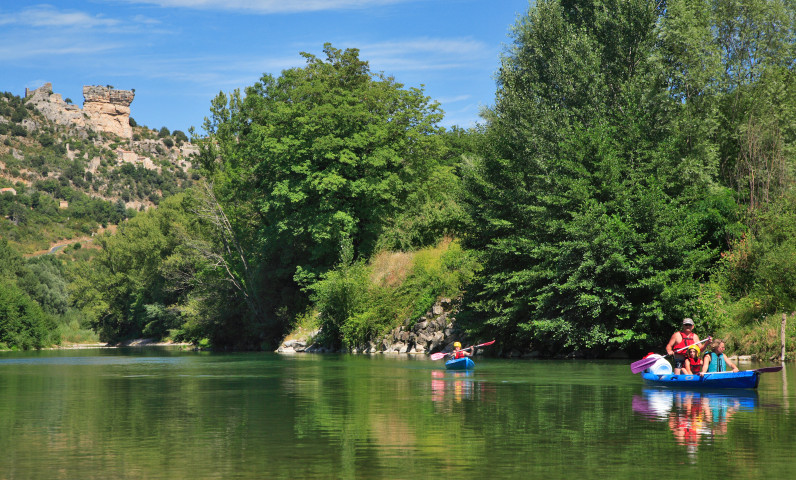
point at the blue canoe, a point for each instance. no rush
(463, 363)
(744, 379)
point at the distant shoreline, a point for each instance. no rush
(129, 343)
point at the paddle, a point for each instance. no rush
(767, 369)
(756, 370)
(645, 363)
(438, 355)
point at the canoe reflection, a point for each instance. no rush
(694, 416)
(457, 385)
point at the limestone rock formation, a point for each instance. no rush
(53, 106)
(109, 109)
(104, 109)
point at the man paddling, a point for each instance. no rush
(681, 340)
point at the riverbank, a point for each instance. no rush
(140, 342)
(434, 331)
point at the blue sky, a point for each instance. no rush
(179, 54)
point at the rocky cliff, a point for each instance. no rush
(104, 109)
(109, 109)
(54, 108)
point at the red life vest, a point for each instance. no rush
(695, 364)
(459, 354)
(686, 341)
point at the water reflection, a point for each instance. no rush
(458, 386)
(693, 417)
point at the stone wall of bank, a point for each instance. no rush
(433, 332)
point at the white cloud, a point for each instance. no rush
(456, 99)
(51, 47)
(43, 30)
(420, 54)
(214, 72)
(271, 6)
(48, 16)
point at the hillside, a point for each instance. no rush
(66, 172)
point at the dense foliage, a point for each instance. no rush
(23, 322)
(602, 199)
(637, 167)
(326, 155)
(358, 301)
(62, 184)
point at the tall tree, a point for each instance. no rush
(322, 155)
(582, 205)
(756, 42)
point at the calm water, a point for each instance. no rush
(148, 413)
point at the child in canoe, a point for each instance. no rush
(459, 353)
(693, 363)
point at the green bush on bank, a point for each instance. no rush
(755, 281)
(760, 337)
(23, 323)
(358, 301)
(73, 327)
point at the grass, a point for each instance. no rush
(72, 331)
(761, 338)
(358, 303)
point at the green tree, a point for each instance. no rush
(180, 137)
(756, 42)
(433, 208)
(23, 324)
(43, 280)
(759, 272)
(125, 289)
(581, 205)
(10, 260)
(320, 155)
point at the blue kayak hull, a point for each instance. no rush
(460, 364)
(745, 379)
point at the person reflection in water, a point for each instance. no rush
(693, 417)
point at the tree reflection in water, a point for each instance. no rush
(694, 416)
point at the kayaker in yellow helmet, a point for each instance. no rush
(459, 353)
(693, 362)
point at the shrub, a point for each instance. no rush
(356, 301)
(19, 131)
(179, 136)
(73, 327)
(23, 324)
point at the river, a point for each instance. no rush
(159, 413)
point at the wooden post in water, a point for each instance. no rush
(785, 387)
(782, 337)
(782, 359)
